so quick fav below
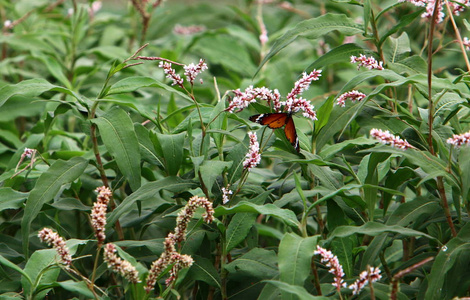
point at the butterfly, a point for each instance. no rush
(277, 120)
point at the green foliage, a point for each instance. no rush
(85, 104)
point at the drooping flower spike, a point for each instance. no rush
(385, 137)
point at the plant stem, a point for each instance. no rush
(457, 33)
(430, 106)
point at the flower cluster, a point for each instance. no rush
(28, 152)
(98, 213)
(170, 256)
(368, 62)
(386, 137)
(118, 265)
(243, 99)
(466, 43)
(293, 102)
(332, 262)
(253, 157)
(188, 30)
(192, 70)
(457, 6)
(185, 215)
(8, 24)
(171, 73)
(372, 275)
(226, 191)
(459, 139)
(50, 237)
(353, 95)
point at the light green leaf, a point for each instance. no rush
(294, 291)
(285, 215)
(295, 256)
(314, 28)
(117, 132)
(46, 188)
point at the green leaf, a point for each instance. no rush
(340, 54)
(373, 228)
(75, 287)
(131, 84)
(295, 256)
(148, 192)
(54, 67)
(117, 133)
(147, 149)
(172, 146)
(203, 269)
(258, 263)
(294, 291)
(13, 266)
(11, 199)
(404, 21)
(211, 169)
(314, 28)
(456, 253)
(464, 163)
(38, 269)
(410, 212)
(229, 53)
(27, 88)
(285, 215)
(46, 188)
(238, 229)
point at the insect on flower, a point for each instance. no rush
(277, 120)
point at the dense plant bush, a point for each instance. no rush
(257, 150)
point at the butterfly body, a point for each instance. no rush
(277, 120)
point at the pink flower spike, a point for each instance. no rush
(385, 137)
(98, 213)
(118, 265)
(353, 95)
(253, 157)
(192, 70)
(332, 262)
(372, 273)
(459, 139)
(243, 99)
(50, 237)
(171, 73)
(304, 83)
(296, 104)
(368, 62)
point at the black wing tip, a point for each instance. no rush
(255, 118)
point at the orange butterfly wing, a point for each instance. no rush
(291, 133)
(277, 120)
(273, 120)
